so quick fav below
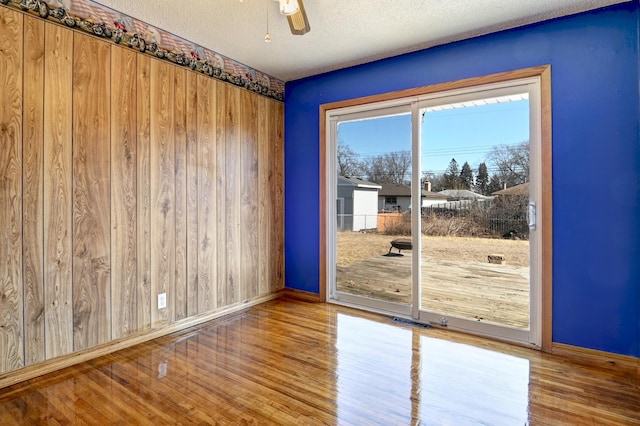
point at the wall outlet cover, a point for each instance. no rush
(162, 300)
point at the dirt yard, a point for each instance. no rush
(357, 246)
(457, 279)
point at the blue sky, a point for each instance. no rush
(466, 134)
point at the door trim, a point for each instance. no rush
(544, 73)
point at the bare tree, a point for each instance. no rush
(438, 183)
(348, 163)
(511, 163)
(376, 171)
(392, 167)
(398, 164)
(436, 180)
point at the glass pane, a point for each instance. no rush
(373, 208)
(476, 254)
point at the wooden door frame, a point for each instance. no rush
(544, 73)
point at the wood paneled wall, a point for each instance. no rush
(122, 177)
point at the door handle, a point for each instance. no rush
(532, 215)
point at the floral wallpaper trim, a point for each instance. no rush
(124, 30)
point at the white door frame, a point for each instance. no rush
(334, 117)
(531, 86)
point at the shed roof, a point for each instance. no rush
(357, 182)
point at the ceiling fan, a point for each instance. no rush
(296, 15)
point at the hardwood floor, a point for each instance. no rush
(290, 362)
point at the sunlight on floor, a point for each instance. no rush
(427, 377)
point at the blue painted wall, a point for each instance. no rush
(596, 159)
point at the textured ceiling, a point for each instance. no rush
(343, 33)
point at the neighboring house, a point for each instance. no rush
(356, 206)
(460, 199)
(395, 197)
(462, 194)
(522, 189)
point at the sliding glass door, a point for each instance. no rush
(453, 237)
(479, 257)
(373, 198)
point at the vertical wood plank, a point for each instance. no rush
(233, 198)
(221, 195)
(180, 305)
(264, 194)
(162, 162)
(58, 204)
(117, 186)
(144, 191)
(280, 193)
(11, 286)
(276, 185)
(91, 194)
(249, 257)
(32, 178)
(124, 318)
(206, 194)
(192, 194)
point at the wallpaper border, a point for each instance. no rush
(127, 31)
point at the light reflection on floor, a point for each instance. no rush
(403, 376)
(291, 363)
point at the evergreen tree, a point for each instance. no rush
(466, 176)
(494, 184)
(451, 177)
(482, 179)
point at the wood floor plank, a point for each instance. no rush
(192, 193)
(288, 362)
(58, 191)
(11, 101)
(144, 191)
(92, 193)
(162, 172)
(33, 183)
(124, 273)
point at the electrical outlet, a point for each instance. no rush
(162, 300)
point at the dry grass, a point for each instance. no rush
(356, 246)
(434, 225)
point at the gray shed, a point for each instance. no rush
(357, 204)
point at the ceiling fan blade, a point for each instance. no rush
(298, 22)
